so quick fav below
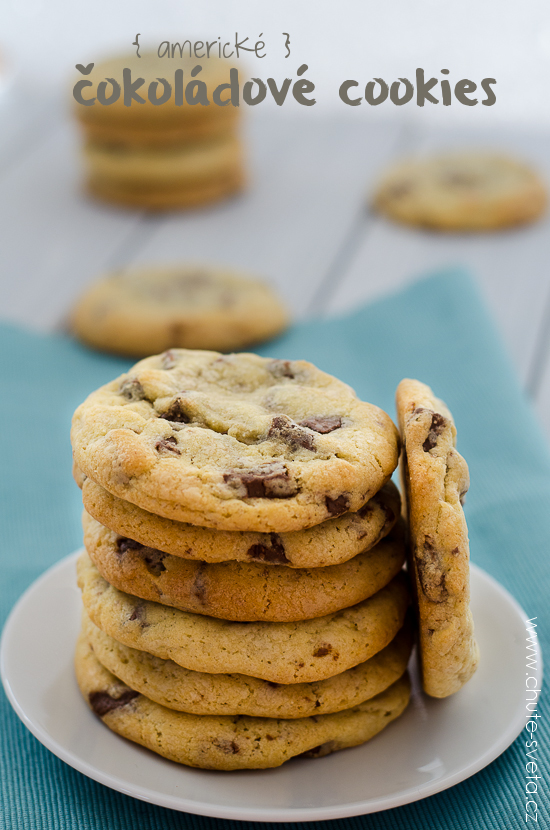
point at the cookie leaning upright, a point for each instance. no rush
(234, 442)
(435, 479)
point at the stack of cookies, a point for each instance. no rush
(161, 156)
(244, 599)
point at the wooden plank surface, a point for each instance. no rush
(53, 239)
(307, 182)
(25, 119)
(511, 267)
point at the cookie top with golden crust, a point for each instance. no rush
(435, 478)
(235, 442)
(471, 191)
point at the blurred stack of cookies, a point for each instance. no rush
(159, 156)
(243, 596)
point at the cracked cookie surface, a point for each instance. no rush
(288, 652)
(236, 694)
(329, 543)
(224, 742)
(435, 479)
(240, 591)
(462, 192)
(234, 442)
(142, 311)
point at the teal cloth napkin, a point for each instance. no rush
(436, 330)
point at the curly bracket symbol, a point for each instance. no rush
(136, 43)
(287, 43)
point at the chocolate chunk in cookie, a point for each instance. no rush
(436, 428)
(274, 552)
(167, 446)
(132, 390)
(323, 424)
(176, 412)
(271, 481)
(431, 571)
(282, 369)
(336, 506)
(102, 703)
(284, 429)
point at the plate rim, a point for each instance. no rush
(265, 814)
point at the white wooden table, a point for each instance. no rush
(303, 224)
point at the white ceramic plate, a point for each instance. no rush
(436, 743)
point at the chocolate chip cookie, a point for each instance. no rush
(240, 591)
(224, 742)
(462, 192)
(236, 694)
(435, 478)
(329, 543)
(234, 442)
(288, 652)
(142, 311)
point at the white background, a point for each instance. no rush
(505, 39)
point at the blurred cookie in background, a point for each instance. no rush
(176, 154)
(470, 191)
(142, 311)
